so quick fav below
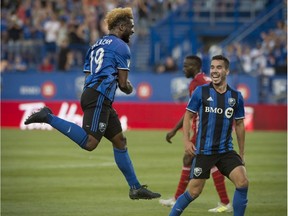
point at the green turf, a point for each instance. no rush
(45, 174)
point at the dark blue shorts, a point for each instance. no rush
(100, 119)
(225, 162)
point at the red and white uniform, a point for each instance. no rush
(199, 79)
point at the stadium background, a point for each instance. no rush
(251, 33)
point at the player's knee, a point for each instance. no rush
(91, 144)
(195, 192)
(243, 183)
(195, 187)
(123, 142)
(119, 141)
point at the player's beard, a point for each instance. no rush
(126, 38)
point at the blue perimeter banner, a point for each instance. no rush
(147, 87)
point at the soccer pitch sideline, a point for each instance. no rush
(46, 174)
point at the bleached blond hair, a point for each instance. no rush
(117, 16)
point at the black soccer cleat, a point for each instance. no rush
(142, 193)
(39, 117)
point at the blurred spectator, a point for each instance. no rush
(169, 65)
(62, 32)
(15, 34)
(143, 13)
(281, 30)
(78, 42)
(46, 65)
(15, 30)
(231, 54)
(75, 34)
(258, 60)
(51, 28)
(246, 59)
(4, 65)
(38, 13)
(65, 57)
(19, 65)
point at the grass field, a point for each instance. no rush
(45, 174)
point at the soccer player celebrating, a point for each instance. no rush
(218, 106)
(192, 69)
(106, 67)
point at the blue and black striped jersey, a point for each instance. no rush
(216, 114)
(102, 61)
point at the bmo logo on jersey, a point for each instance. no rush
(213, 110)
(228, 112)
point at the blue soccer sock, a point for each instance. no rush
(182, 202)
(69, 129)
(124, 163)
(240, 201)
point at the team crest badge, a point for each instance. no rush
(231, 101)
(102, 127)
(197, 171)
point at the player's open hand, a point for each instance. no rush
(189, 148)
(169, 136)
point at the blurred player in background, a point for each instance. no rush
(106, 67)
(192, 69)
(218, 106)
